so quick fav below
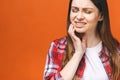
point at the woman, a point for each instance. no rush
(89, 52)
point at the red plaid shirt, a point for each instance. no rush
(55, 58)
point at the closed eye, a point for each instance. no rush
(75, 9)
(88, 11)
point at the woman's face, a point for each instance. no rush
(84, 16)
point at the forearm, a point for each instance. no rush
(70, 69)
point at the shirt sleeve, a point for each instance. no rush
(52, 67)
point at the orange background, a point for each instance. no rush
(27, 28)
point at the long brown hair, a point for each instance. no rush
(104, 32)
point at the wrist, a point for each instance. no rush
(78, 53)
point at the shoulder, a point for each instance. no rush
(60, 41)
(59, 45)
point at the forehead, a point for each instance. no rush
(83, 3)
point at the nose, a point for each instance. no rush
(80, 16)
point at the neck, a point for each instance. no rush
(92, 40)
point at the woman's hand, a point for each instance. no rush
(70, 68)
(80, 46)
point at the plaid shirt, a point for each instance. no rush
(55, 58)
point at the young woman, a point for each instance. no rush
(89, 51)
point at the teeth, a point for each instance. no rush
(81, 23)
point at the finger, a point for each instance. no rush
(71, 29)
(71, 32)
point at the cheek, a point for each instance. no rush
(92, 19)
(72, 17)
(92, 23)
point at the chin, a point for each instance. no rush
(80, 31)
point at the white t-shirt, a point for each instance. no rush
(94, 69)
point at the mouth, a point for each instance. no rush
(80, 24)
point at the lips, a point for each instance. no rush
(80, 24)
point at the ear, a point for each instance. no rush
(100, 17)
